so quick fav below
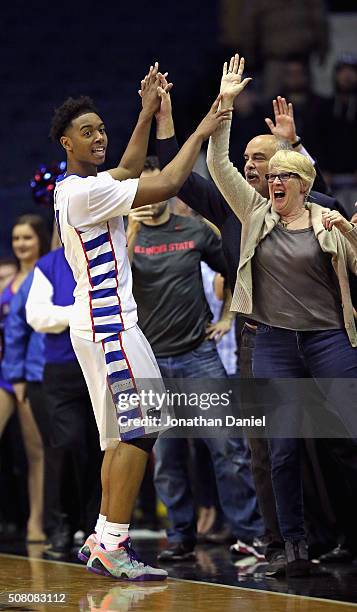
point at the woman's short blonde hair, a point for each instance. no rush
(291, 161)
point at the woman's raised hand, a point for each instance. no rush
(231, 83)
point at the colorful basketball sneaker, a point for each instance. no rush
(86, 550)
(122, 564)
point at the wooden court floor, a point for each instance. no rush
(71, 587)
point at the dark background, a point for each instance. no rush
(52, 50)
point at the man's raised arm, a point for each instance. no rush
(199, 193)
(284, 129)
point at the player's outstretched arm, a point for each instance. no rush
(167, 184)
(132, 162)
(198, 192)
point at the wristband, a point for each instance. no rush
(296, 144)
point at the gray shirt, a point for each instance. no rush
(294, 284)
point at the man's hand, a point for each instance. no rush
(231, 82)
(284, 128)
(135, 218)
(213, 119)
(216, 331)
(165, 110)
(20, 390)
(164, 121)
(332, 218)
(150, 97)
(139, 215)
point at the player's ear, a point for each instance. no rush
(66, 143)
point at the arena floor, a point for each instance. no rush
(212, 583)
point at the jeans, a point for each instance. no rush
(230, 459)
(259, 447)
(281, 353)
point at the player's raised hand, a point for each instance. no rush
(231, 82)
(213, 119)
(284, 126)
(149, 95)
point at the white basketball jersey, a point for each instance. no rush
(89, 213)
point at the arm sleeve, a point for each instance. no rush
(199, 193)
(241, 197)
(212, 252)
(17, 336)
(41, 313)
(101, 198)
(351, 240)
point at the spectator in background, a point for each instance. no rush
(8, 269)
(218, 296)
(23, 367)
(339, 133)
(30, 240)
(72, 427)
(270, 31)
(209, 513)
(174, 314)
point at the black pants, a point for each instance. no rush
(39, 409)
(73, 433)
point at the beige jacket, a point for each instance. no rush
(258, 219)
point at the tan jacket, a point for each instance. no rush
(258, 219)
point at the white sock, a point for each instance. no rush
(100, 526)
(113, 534)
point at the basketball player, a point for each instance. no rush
(113, 353)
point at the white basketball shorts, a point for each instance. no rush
(121, 373)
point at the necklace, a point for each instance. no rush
(286, 223)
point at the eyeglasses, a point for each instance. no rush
(283, 176)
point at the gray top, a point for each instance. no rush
(294, 284)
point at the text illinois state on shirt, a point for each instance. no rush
(165, 248)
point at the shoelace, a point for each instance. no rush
(132, 554)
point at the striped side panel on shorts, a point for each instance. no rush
(122, 385)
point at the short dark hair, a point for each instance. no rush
(39, 226)
(69, 110)
(151, 163)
